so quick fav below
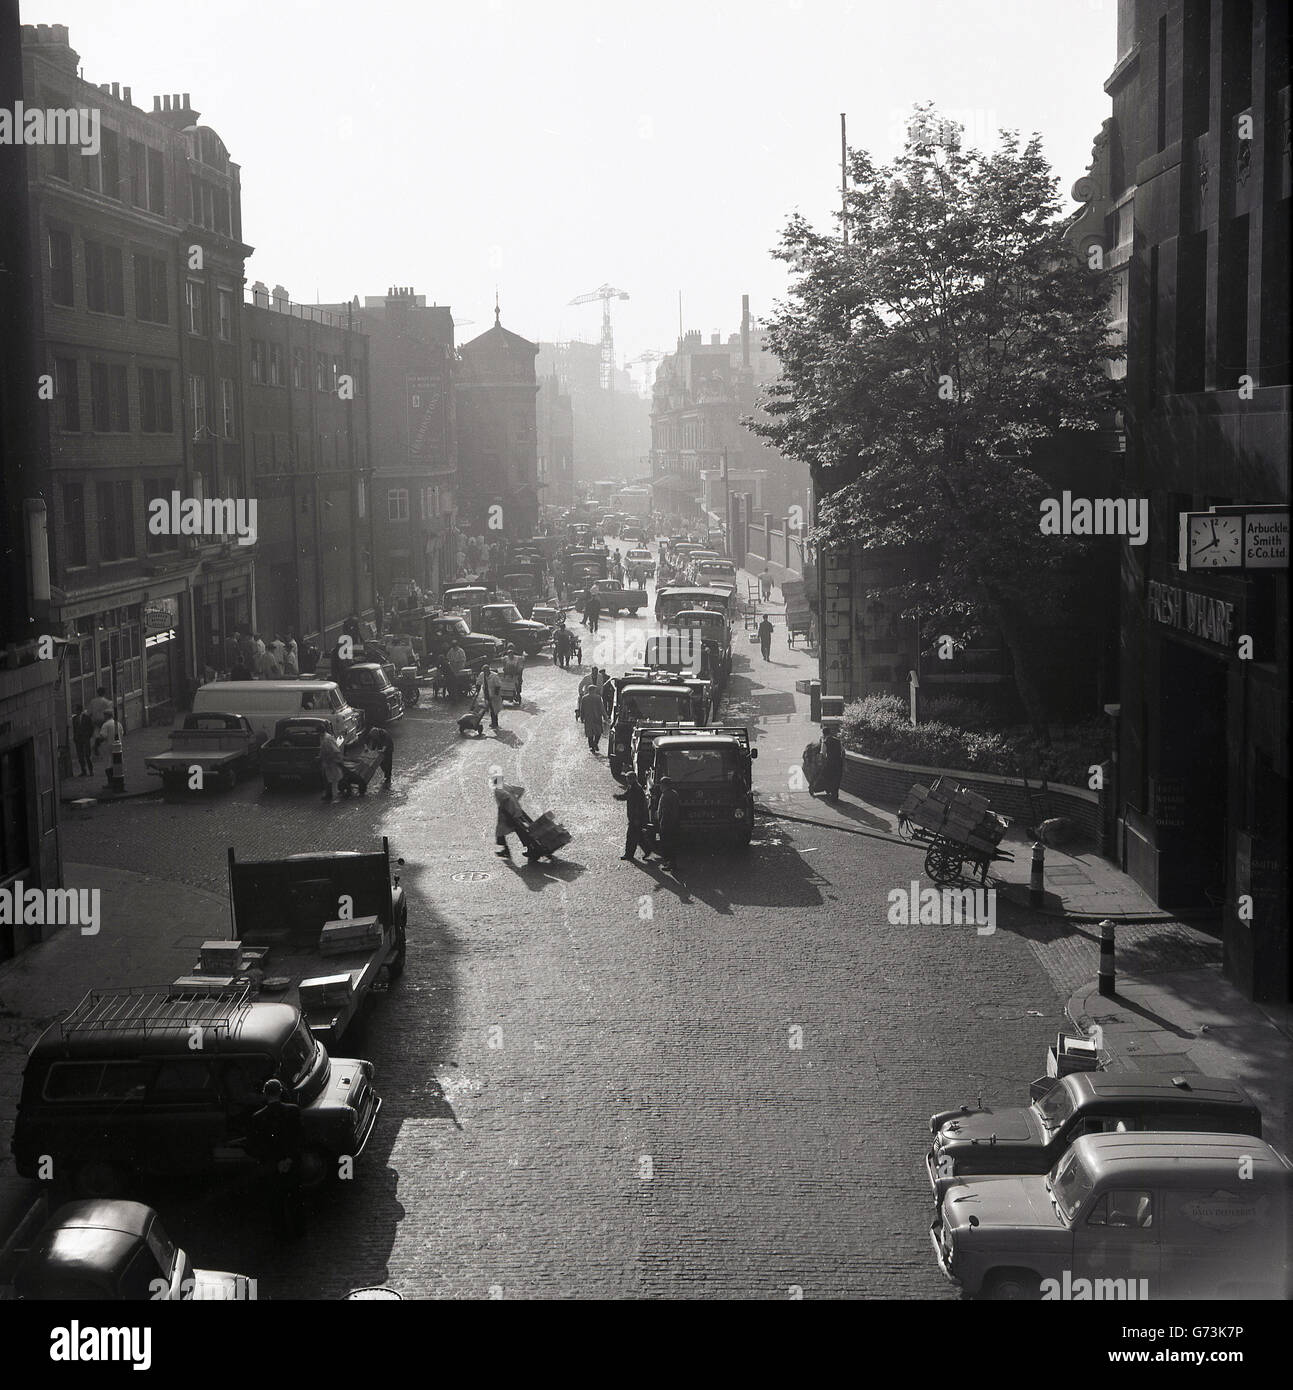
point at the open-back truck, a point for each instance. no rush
(314, 930)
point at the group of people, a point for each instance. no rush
(93, 730)
(250, 657)
(663, 812)
(339, 778)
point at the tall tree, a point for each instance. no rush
(927, 360)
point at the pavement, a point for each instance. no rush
(605, 1080)
(136, 746)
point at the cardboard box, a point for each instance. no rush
(326, 990)
(220, 957)
(356, 934)
(201, 984)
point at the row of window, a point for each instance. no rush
(397, 504)
(121, 516)
(266, 366)
(110, 404)
(105, 286)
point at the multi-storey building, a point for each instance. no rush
(29, 668)
(498, 451)
(414, 437)
(139, 332)
(556, 443)
(612, 430)
(308, 387)
(1200, 135)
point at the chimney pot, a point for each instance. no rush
(175, 102)
(116, 91)
(125, 96)
(260, 295)
(187, 102)
(157, 104)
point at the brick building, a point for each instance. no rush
(414, 436)
(308, 386)
(137, 326)
(496, 393)
(1200, 160)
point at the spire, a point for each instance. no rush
(496, 308)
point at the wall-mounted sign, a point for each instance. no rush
(1234, 538)
(161, 614)
(1197, 615)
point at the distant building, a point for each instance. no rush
(556, 444)
(498, 446)
(415, 474)
(138, 327)
(309, 392)
(612, 429)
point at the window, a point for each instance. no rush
(397, 505)
(74, 525)
(156, 182)
(147, 179)
(60, 164)
(153, 488)
(155, 416)
(226, 408)
(116, 523)
(67, 394)
(60, 266)
(224, 315)
(1125, 1207)
(104, 292)
(109, 398)
(110, 158)
(257, 361)
(275, 364)
(320, 372)
(152, 303)
(15, 849)
(195, 299)
(198, 403)
(298, 369)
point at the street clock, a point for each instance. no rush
(1216, 541)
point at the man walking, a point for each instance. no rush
(330, 760)
(668, 821)
(83, 738)
(636, 806)
(100, 709)
(276, 1141)
(765, 584)
(592, 611)
(593, 714)
(765, 636)
(492, 689)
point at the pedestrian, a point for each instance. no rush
(561, 645)
(828, 765)
(381, 742)
(765, 584)
(592, 611)
(635, 832)
(491, 689)
(110, 732)
(330, 760)
(765, 636)
(274, 654)
(508, 800)
(83, 738)
(259, 664)
(514, 667)
(276, 1142)
(592, 712)
(668, 821)
(100, 708)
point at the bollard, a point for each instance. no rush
(1106, 958)
(117, 772)
(1037, 876)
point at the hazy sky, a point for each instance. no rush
(550, 148)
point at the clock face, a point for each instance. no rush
(1216, 542)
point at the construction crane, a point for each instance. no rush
(651, 357)
(605, 293)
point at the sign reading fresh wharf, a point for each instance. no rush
(1197, 615)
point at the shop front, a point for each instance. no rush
(163, 659)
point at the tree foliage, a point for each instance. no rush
(927, 362)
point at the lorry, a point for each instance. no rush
(369, 686)
(644, 697)
(221, 747)
(676, 598)
(291, 757)
(612, 596)
(316, 931)
(504, 621)
(711, 771)
(443, 630)
(714, 632)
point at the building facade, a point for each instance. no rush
(138, 332)
(308, 388)
(556, 423)
(414, 437)
(612, 431)
(1200, 134)
(498, 446)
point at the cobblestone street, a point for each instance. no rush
(604, 1081)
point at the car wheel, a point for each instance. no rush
(1016, 1285)
(97, 1178)
(318, 1169)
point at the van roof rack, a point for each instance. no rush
(153, 1008)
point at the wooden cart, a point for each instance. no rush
(961, 827)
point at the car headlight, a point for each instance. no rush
(740, 815)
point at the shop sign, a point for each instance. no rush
(1234, 538)
(1266, 540)
(1197, 615)
(160, 614)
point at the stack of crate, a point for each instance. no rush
(349, 934)
(956, 813)
(326, 991)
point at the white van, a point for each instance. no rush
(266, 702)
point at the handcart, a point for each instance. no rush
(961, 827)
(541, 837)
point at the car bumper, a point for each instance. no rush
(370, 1126)
(943, 1266)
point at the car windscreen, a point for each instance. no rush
(509, 613)
(656, 706)
(697, 765)
(1070, 1184)
(1054, 1108)
(299, 1053)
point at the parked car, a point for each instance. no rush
(642, 558)
(115, 1091)
(291, 757)
(1143, 1216)
(264, 703)
(504, 621)
(613, 597)
(368, 686)
(1032, 1138)
(224, 746)
(634, 533)
(443, 630)
(116, 1250)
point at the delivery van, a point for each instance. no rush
(266, 702)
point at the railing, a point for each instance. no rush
(154, 1008)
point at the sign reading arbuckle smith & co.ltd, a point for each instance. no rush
(1266, 539)
(1197, 615)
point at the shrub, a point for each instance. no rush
(960, 712)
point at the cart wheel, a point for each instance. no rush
(939, 864)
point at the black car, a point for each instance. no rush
(441, 632)
(504, 620)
